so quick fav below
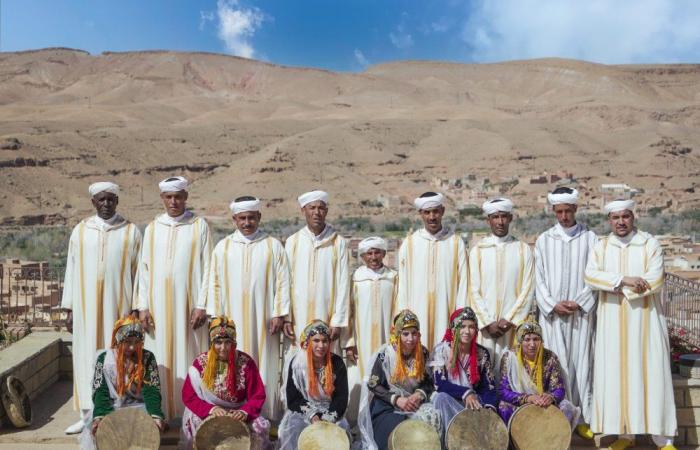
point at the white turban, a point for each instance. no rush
(173, 184)
(619, 205)
(495, 205)
(103, 186)
(244, 205)
(563, 198)
(371, 242)
(313, 196)
(429, 202)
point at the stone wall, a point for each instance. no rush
(38, 360)
(686, 392)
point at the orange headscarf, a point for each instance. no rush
(123, 328)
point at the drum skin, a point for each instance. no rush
(414, 434)
(533, 427)
(323, 435)
(127, 429)
(222, 433)
(476, 430)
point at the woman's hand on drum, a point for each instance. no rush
(94, 425)
(543, 400)
(405, 404)
(218, 411)
(315, 419)
(159, 423)
(239, 415)
(471, 401)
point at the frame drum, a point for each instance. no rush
(222, 433)
(477, 429)
(127, 429)
(532, 427)
(323, 435)
(414, 434)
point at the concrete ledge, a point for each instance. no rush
(38, 360)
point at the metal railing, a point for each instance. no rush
(31, 295)
(681, 298)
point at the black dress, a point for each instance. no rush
(382, 408)
(339, 399)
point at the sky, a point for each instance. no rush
(349, 35)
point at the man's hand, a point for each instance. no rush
(145, 318)
(197, 318)
(335, 333)
(288, 330)
(69, 321)
(472, 401)
(276, 325)
(218, 411)
(493, 330)
(637, 284)
(94, 425)
(566, 307)
(239, 415)
(351, 354)
(504, 325)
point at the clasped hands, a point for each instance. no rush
(543, 400)
(637, 284)
(498, 328)
(410, 403)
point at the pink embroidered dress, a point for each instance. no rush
(249, 396)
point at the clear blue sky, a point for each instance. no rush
(351, 34)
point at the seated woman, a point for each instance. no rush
(532, 374)
(462, 369)
(126, 375)
(224, 381)
(399, 385)
(316, 386)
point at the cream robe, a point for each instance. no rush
(501, 287)
(432, 280)
(172, 281)
(373, 305)
(249, 283)
(100, 269)
(560, 263)
(632, 386)
(319, 266)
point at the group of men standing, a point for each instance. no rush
(174, 280)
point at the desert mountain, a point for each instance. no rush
(235, 126)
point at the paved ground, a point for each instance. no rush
(53, 412)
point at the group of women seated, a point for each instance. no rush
(406, 381)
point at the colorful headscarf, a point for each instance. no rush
(452, 331)
(404, 320)
(530, 326)
(221, 327)
(129, 326)
(312, 329)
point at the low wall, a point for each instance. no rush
(38, 360)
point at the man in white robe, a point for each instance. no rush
(250, 282)
(501, 280)
(319, 265)
(374, 294)
(566, 303)
(171, 293)
(432, 270)
(100, 269)
(632, 385)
